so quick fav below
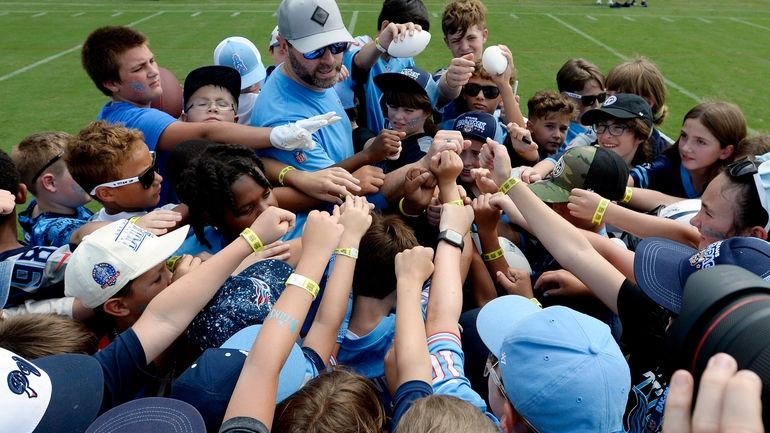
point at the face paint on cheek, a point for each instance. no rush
(706, 232)
(413, 122)
(137, 87)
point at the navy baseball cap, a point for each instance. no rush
(214, 75)
(243, 300)
(662, 266)
(476, 125)
(151, 414)
(209, 382)
(58, 393)
(408, 80)
(620, 106)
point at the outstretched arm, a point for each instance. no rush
(282, 325)
(171, 311)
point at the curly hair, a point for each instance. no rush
(101, 50)
(99, 150)
(204, 186)
(545, 102)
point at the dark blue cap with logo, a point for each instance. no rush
(476, 125)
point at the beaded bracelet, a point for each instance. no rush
(492, 255)
(283, 172)
(599, 214)
(304, 282)
(348, 252)
(252, 239)
(508, 184)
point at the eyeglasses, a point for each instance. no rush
(489, 370)
(742, 167)
(50, 162)
(490, 92)
(615, 130)
(146, 179)
(219, 104)
(588, 100)
(335, 48)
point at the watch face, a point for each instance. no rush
(452, 237)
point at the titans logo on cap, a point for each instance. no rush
(556, 172)
(706, 258)
(105, 275)
(411, 73)
(239, 65)
(320, 16)
(470, 124)
(610, 100)
(17, 379)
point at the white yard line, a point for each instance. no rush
(352, 23)
(748, 23)
(65, 52)
(621, 56)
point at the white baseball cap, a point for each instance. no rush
(112, 256)
(242, 55)
(311, 24)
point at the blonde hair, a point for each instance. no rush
(35, 335)
(37, 150)
(444, 413)
(98, 151)
(641, 77)
(338, 401)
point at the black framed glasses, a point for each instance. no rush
(50, 162)
(587, 100)
(490, 92)
(146, 179)
(335, 48)
(742, 167)
(615, 130)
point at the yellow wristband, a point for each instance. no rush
(508, 184)
(401, 209)
(458, 202)
(599, 214)
(493, 255)
(629, 193)
(171, 262)
(283, 172)
(379, 47)
(348, 252)
(304, 282)
(536, 302)
(133, 220)
(253, 240)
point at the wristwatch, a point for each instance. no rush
(452, 238)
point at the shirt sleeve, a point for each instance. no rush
(405, 396)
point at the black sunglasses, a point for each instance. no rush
(335, 48)
(587, 100)
(145, 179)
(50, 162)
(490, 92)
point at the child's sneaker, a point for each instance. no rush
(644, 3)
(616, 5)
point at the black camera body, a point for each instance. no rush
(725, 308)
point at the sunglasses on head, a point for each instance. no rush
(146, 179)
(587, 100)
(490, 92)
(742, 167)
(335, 48)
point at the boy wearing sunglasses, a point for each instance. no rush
(113, 164)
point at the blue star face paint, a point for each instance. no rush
(137, 87)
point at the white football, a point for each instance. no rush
(494, 61)
(410, 46)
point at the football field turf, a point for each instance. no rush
(706, 49)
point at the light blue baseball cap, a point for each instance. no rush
(562, 370)
(242, 55)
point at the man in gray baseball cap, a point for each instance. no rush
(310, 25)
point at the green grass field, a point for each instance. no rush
(707, 49)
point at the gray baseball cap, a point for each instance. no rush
(311, 24)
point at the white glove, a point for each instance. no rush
(299, 134)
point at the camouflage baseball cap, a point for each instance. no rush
(587, 167)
